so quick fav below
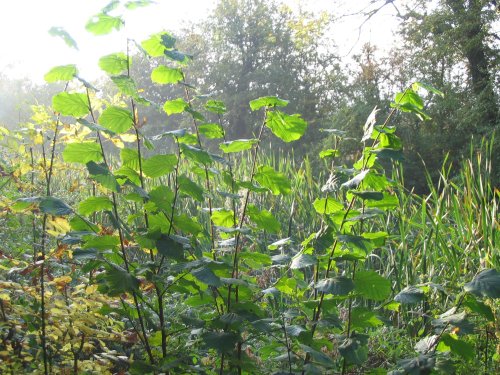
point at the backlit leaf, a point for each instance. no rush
(288, 128)
(116, 119)
(114, 63)
(71, 104)
(277, 182)
(83, 152)
(102, 24)
(165, 75)
(61, 73)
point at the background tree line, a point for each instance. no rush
(252, 48)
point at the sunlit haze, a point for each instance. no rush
(27, 49)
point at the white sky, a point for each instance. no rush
(27, 50)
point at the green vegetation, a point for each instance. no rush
(195, 248)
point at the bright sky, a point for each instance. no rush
(27, 49)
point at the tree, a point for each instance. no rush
(255, 48)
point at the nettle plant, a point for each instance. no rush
(167, 262)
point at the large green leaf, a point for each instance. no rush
(462, 348)
(83, 152)
(154, 45)
(116, 119)
(267, 101)
(264, 219)
(211, 131)
(102, 24)
(327, 206)
(164, 75)
(277, 182)
(102, 174)
(372, 286)
(170, 248)
(187, 186)
(288, 128)
(94, 204)
(159, 165)
(114, 63)
(223, 218)
(195, 154)
(130, 158)
(237, 145)
(410, 294)
(54, 206)
(71, 104)
(216, 106)
(335, 285)
(355, 349)
(207, 276)
(302, 261)
(126, 85)
(61, 73)
(485, 284)
(178, 105)
(118, 281)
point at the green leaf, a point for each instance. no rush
(170, 248)
(165, 75)
(71, 104)
(330, 153)
(267, 101)
(175, 106)
(61, 73)
(327, 206)
(101, 174)
(195, 154)
(479, 307)
(54, 206)
(102, 24)
(94, 127)
(302, 261)
(216, 106)
(288, 128)
(411, 97)
(428, 88)
(355, 349)
(159, 165)
(114, 63)
(410, 294)
(190, 188)
(162, 197)
(362, 318)
(64, 35)
(116, 119)
(335, 285)
(318, 357)
(372, 286)
(118, 281)
(82, 152)
(264, 219)
(485, 284)
(154, 46)
(462, 348)
(277, 182)
(223, 218)
(126, 85)
(211, 131)
(129, 158)
(101, 242)
(94, 204)
(207, 276)
(237, 145)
